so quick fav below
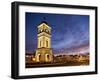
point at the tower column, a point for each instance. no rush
(44, 51)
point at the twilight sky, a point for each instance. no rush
(70, 33)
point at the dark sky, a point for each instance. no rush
(70, 33)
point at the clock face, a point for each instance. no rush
(46, 30)
(41, 30)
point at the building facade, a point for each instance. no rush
(44, 50)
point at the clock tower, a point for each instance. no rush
(44, 51)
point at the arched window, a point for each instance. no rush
(48, 57)
(39, 56)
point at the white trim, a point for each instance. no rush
(53, 70)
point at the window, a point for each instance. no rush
(48, 57)
(39, 56)
(40, 43)
(46, 43)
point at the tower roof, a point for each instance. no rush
(44, 22)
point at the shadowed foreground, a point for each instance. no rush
(61, 60)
